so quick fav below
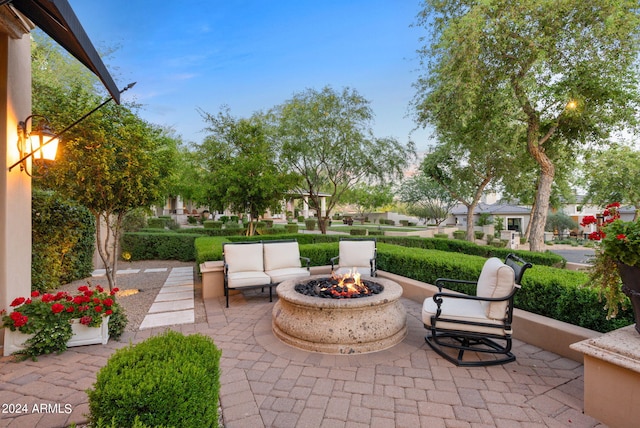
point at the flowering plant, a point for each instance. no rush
(48, 316)
(618, 242)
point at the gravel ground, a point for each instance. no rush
(148, 285)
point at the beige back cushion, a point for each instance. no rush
(281, 255)
(496, 280)
(356, 253)
(244, 257)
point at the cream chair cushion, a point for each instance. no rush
(281, 255)
(356, 254)
(244, 257)
(496, 280)
(248, 279)
(462, 310)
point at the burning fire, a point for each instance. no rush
(348, 285)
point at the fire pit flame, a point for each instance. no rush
(346, 286)
(349, 285)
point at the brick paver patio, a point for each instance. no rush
(266, 383)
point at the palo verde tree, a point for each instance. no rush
(326, 138)
(241, 160)
(426, 198)
(566, 70)
(367, 197)
(613, 175)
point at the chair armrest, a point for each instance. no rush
(441, 282)
(333, 261)
(307, 260)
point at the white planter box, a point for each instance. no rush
(82, 335)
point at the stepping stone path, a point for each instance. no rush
(174, 303)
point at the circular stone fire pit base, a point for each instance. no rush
(340, 326)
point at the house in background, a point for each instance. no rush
(17, 19)
(516, 217)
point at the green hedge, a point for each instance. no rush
(166, 380)
(212, 224)
(457, 246)
(358, 232)
(156, 223)
(160, 246)
(63, 241)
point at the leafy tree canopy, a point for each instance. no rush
(326, 138)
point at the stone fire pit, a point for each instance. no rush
(340, 326)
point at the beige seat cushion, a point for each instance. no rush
(496, 280)
(279, 275)
(248, 279)
(462, 310)
(281, 255)
(356, 254)
(244, 257)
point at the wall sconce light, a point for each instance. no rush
(41, 143)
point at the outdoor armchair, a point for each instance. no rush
(480, 323)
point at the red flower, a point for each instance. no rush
(86, 320)
(108, 312)
(35, 293)
(100, 289)
(78, 300)
(613, 205)
(70, 309)
(47, 298)
(98, 309)
(18, 301)
(107, 302)
(18, 319)
(59, 295)
(83, 288)
(96, 300)
(588, 219)
(88, 293)
(27, 302)
(597, 235)
(57, 308)
(621, 236)
(114, 291)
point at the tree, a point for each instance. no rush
(243, 166)
(426, 199)
(463, 176)
(368, 197)
(560, 222)
(111, 162)
(326, 138)
(565, 71)
(613, 175)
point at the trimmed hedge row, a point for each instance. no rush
(465, 247)
(160, 246)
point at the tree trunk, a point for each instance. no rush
(543, 193)
(106, 249)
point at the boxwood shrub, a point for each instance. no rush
(291, 228)
(166, 380)
(160, 246)
(358, 232)
(156, 223)
(63, 236)
(212, 224)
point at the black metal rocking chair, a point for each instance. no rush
(480, 323)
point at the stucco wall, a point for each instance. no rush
(15, 186)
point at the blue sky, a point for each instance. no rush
(252, 55)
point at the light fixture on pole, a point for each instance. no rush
(41, 142)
